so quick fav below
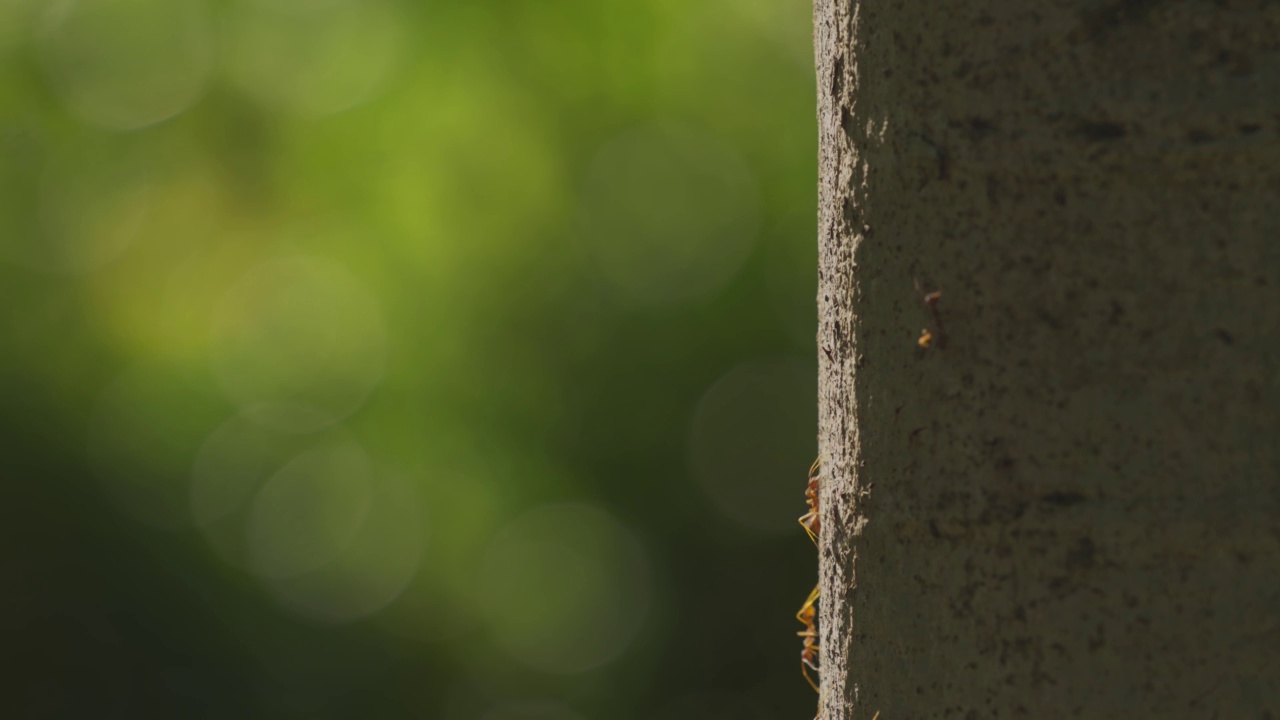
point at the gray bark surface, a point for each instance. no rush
(1069, 508)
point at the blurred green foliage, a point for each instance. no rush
(376, 358)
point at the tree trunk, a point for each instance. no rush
(1062, 501)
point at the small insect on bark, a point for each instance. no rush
(809, 654)
(810, 520)
(812, 524)
(928, 337)
(931, 300)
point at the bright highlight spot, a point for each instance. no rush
(371, 571)
(298, 344)
(330, 538)
(233, 464)
(126, 64)
(310, 510)
(313, 57)
(91, 196)
(564, 588)
(670, 216)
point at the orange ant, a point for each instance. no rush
(809, 655)
(926, 337)
(810, 520)
(812, 524)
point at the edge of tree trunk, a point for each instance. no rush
(841, 178)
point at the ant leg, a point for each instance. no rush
(804, 670)
(806, 522)
(807, 608)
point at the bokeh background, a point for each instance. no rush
(377, 358)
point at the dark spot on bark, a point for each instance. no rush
(979, 128)
(1062, 499)
(1060, 197)
(1100, 131)
(850, 212)
(847, 123)
(1081, 556)
(1096, 642)
(1048, 319)
(1114, 15)
(993, 186)
(1117, 312)
(1237, 65)
(944, 161)
(837, 78)
(1249, 128)
(1224, 336)
(1198, 137)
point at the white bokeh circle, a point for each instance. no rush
(373, 569)
(310, 510)
(298, 344)
(126, 64)
(313, 57)
(564, 587)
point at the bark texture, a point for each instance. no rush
(1069, 508)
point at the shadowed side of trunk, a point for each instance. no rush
(1068, 503)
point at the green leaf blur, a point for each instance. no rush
(377, 358)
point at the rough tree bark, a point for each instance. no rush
(1067, 505)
